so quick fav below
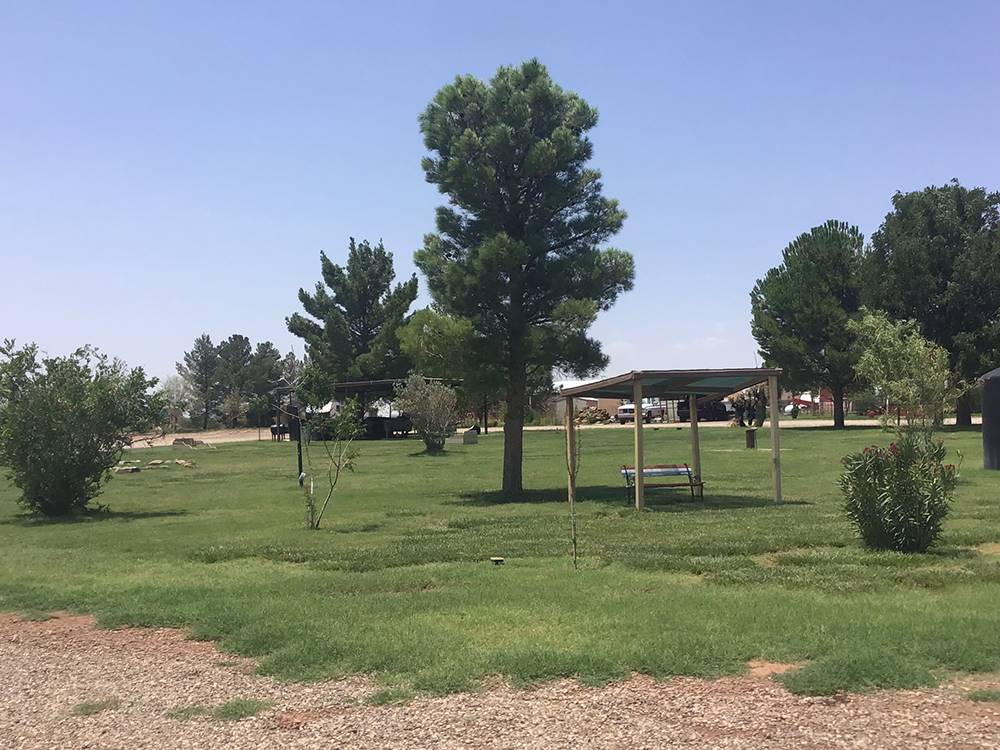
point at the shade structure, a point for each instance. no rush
(692, 385)
(705, 385)
(378, 388)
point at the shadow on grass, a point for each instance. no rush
(429, 454)
(674, 500)
(29, 520)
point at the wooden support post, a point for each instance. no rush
(772, 396)
(695, 443)
(570, 453)
(639, 461)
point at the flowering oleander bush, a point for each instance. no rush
(898, 497)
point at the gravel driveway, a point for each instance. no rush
(49, 668)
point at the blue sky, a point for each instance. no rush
(175, 168)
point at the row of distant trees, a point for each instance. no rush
(228, 382)
(934, 260)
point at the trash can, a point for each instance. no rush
(991, 419)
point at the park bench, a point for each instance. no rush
(662, 470)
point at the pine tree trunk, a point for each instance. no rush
(513, 434)
(204, 424)
(963, 410)
(838, 407)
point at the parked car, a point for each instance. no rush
(650, 411)
(708, 411)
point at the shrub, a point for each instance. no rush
(431, 407)
(65, 421)
(898, 497)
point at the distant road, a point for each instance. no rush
(247, 434)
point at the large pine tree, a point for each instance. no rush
(517, 252)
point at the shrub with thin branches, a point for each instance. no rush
(431, 407)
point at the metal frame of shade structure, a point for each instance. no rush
(694, 385)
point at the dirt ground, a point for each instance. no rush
(212, 437)
(48, 668)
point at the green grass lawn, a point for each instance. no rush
(398, 582)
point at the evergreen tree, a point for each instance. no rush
(235, 354)
(802, 307)
(354, 315)
(265, 368)
(517, 252)
(200, 370)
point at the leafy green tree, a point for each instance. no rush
(441, 346)
(201, 371)
(801, 310)
(936, 259)
(235, 356)
(516, 254)
(906, 369)
(64, 422)
(352, 318)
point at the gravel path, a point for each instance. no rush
(50, 667)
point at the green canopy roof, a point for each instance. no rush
(705, 384)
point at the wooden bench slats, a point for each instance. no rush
(661, 470)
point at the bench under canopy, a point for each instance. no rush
(694, 385)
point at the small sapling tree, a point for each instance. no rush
(431, 407)
(337, 433)
(64, 422)
(910, 372)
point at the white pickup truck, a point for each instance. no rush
(651, 409)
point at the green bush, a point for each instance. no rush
(65, 421)
(431, 407)
(898, 497)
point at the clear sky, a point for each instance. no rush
(173, 168)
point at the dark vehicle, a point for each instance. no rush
(384, 428)
(708, 411)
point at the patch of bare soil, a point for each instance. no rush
(211, 437)
(50, 667)
(764, 669)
